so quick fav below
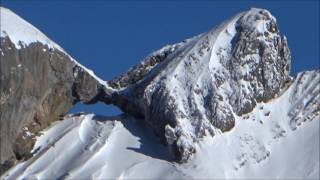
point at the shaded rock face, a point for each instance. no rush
(201, 86)
(38, 84)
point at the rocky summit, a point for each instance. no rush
(216, 85)
(197, 87)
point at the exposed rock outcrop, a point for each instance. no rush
(196, 87)
(39, 83)
(305, 98)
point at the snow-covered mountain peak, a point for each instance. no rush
(193, 88)
(223, 102)
(20, 32)
(258, 19)
(200, 85)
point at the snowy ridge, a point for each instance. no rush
(22, 34)
(152, 62)
(262, 145)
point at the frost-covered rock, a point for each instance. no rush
(196, 87)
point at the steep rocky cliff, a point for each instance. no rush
(39, 84)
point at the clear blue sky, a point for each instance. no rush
(109, 36)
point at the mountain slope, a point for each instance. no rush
(197, 87)
(264, 144)
(39, 82)
(222, 103)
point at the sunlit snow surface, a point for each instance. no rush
(262, 145)
(21, 33)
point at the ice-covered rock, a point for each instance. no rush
(187, 90)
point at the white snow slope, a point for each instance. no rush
(264, 144)
(21, 32)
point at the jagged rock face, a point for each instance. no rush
(38, 84)
(260, 60)
(305, 98)
(198, 88)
